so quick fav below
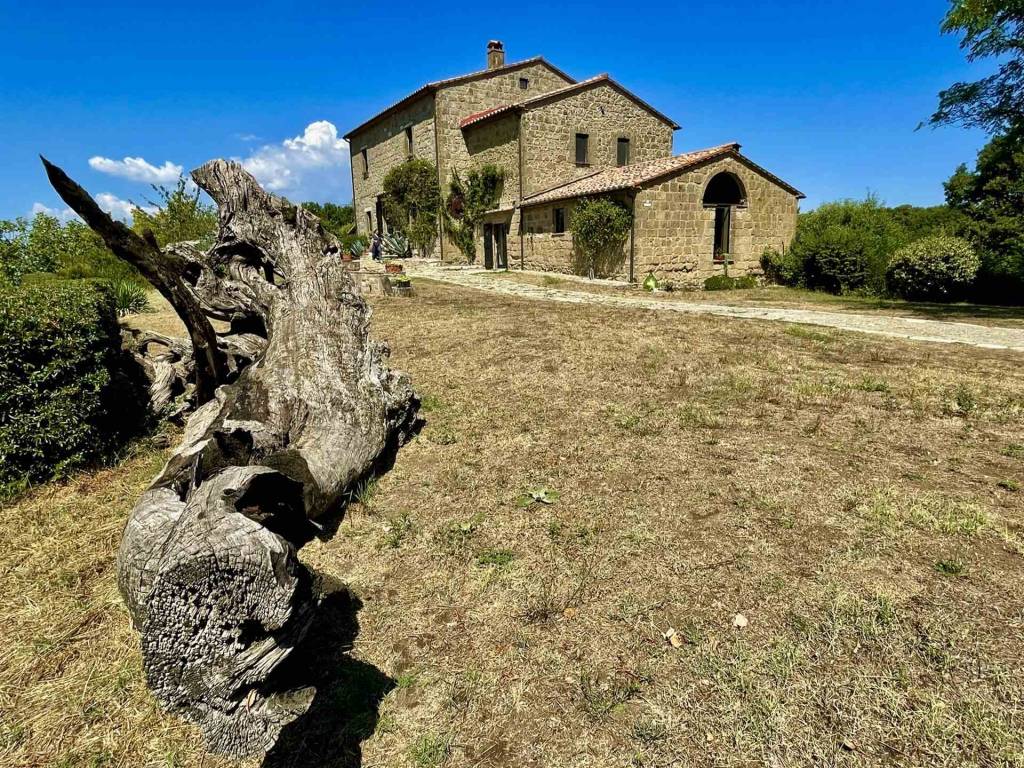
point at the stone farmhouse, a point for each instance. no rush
(559, 140)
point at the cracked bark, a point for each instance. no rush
(296, 404)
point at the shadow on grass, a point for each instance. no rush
(345, 710)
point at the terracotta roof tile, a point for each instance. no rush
(634, 176)
(478, 116)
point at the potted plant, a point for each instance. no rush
(401, 285)
(393, 267)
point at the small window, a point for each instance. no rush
(622, 155)
(408, 141)
(369, 222)
(524, 83)
(366, 165)
(582, 149)
(559, 220)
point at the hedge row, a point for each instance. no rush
(66, 396)
(864, 248)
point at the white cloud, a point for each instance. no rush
(120, 209)
(137, 169)
(312, 166)
(61, 214)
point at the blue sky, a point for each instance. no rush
(824, 93)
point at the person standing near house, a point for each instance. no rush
(375, 246)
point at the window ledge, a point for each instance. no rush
(582, 165)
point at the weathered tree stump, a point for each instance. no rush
(296, 405)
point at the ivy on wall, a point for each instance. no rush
(412, 200)
(468, 200)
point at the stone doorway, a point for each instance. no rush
(724, 193)
(496, 245)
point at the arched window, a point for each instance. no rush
(724, 192)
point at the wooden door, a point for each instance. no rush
(488, 246)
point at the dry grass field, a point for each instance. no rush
(831, 525)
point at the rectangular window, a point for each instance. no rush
(559, 220)
(622, 156)
(524, 83)
(366, 165)
(408, 142)
(582, 149)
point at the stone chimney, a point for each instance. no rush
(495, 54)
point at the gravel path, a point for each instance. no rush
(898, 327)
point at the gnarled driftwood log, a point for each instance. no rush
(296, 404)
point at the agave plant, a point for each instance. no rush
(396, 244)
(357, 248)
(129, 297)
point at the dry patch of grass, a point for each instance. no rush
(588, 478)
(160, 317)
(72, 693)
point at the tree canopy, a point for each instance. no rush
(412, 201)
(180, 216)
(991, 197)
(339, 220)
(991, 29)
(72, 250)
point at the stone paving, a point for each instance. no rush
(935, 331)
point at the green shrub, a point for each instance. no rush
(745, 282)
(782, 268)
(599, 229)
(66, 396)
(129, 297)
(412, 203)
(845, 246)
(728, 283)
(934, 268)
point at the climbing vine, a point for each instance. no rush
(468, 201)
(412, 200)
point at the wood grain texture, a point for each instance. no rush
(295, 405)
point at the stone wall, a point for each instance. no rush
(385, 143)
(604, 114)
(457, 149)
(675, 233)
(495, 142)
(542, 248)
(550, 251)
